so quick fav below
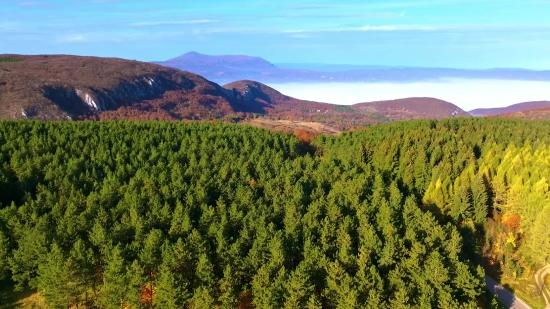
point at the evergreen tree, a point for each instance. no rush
(298, 287)
(115, 281)
(229, 286)
(176, 215)
(4, 254)
(51, 281)
(479, 200)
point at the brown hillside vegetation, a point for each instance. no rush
(72, 87)
(278, 106)
(520, 107)
(536, 114)
(62, 87)
(413, 108)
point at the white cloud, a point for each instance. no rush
(314, 7)
(28, 3)
(376, 28)
(301, 36)
(180, 22)
(71, 38)
(398, 28)
(9, 26)
(370, 28)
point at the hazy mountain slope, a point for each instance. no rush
(231, 68)
(527, 106)
(237, 61)
(413, 108)
(228, 68)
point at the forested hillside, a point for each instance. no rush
(198, 215)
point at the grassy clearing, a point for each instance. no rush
(526, 290)
(291, 126)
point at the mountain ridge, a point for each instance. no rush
(63, 87)
(413, 108)
(519, 107)
(534, 114)
(230, 68)
(194, 58)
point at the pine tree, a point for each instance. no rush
(262, 289)
(115, 283)
(461, 209)
(172, 286)
(340, 290)
(4, 254)
(539, 243)
(229, 285)
(479, 200)
(168, 291)
(137, 279)
(313, 303)
(84, 263)
(31, 251)
(52, 279)
(298, 288)
(202, 298)
(150, 257)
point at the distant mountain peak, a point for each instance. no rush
(191, 54)
(239, 61)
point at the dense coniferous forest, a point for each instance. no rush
(200, 215)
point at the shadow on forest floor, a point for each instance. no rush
(11, 299)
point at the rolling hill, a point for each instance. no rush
(535, 114)
(413, 108)
(66, 87)
(526, 106)
(281, 107)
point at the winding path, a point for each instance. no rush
(506, 297)
(511, 301)
(539, 277)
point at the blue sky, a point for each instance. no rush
(432, 33)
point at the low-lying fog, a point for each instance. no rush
(466, 93)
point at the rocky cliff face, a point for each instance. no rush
(70, 87)
(98, 100)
